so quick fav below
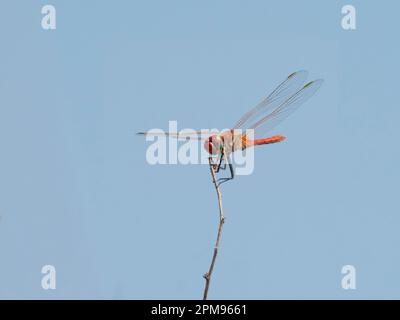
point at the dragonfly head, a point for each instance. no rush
(214, 144)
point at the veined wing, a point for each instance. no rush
(286, 108)
(293, 83)
(195, 135)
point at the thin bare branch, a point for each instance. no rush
(207, 276)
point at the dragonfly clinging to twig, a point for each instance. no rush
(285, 99)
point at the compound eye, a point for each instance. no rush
(211, 145)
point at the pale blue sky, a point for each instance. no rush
(76, 191)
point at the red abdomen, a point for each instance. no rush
(273, 139)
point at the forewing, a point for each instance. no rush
(286, 108)
(195, 135)
(293, 83)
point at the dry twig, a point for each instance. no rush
(208, 275)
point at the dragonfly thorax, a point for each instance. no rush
(214, 144)
(225, 142)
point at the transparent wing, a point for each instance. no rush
(293, 83)
(286, 108)
(195, 135)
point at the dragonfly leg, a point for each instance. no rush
(222, 180)
(218, 165)
(222, 158)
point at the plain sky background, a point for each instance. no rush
(76, 191)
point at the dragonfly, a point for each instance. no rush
(269, 112)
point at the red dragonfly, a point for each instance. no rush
(285, 99)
